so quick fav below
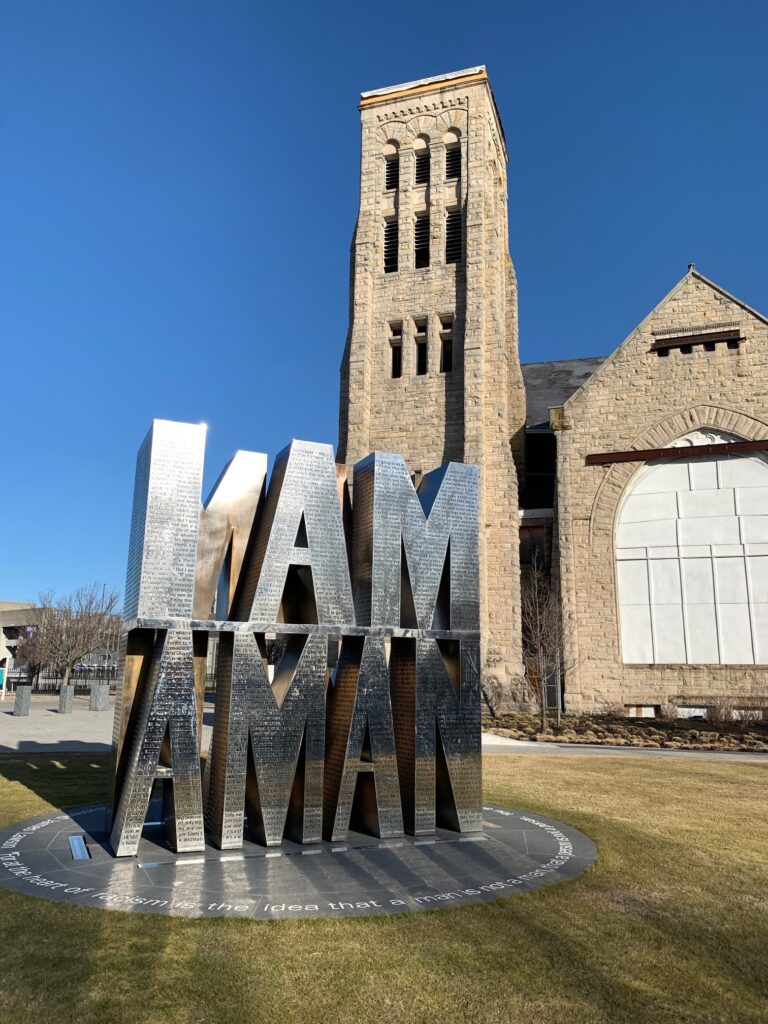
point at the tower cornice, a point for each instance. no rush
(422, 86)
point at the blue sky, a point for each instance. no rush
(178, 188)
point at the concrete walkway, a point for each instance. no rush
(44, 730)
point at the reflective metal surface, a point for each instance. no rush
(262, 734)
(368, 718)
(436, 701)
(162, 553)
(160, 688)
(225, 528)
(300, 571)
(163, 744)
(402, 540)
(360, 754)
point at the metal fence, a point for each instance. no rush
(85, 676)
(83, 681)
(46, 682)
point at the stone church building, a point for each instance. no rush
(640, 477)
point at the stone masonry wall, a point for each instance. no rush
(638, 400)
(476, 412)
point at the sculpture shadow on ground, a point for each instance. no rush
(58, 774)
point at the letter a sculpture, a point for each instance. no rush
(347, 670)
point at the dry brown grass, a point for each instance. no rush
(670, 924)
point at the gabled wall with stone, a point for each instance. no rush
(639, 400)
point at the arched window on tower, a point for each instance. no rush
(421, 148)
(452, 155)
(692, 559)
(391, 167)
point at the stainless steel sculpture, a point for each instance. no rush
(437, 710)
(301, 530)
(361, 744)
(164, 746)
(344, 700)
(390, 517)
(261, 731)
(162, 553)
(226, 523)
(415, 563)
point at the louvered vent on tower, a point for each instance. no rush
(392, 173)
(422, 168)
(421, 241)
(453, 162)
(391, 242)
(453, 246)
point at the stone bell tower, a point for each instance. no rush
(430, 368)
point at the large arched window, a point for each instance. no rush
(692, 560)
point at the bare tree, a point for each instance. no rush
(487, 693)
(72, 627)
(543, 634)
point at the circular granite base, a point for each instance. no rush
(516, 852)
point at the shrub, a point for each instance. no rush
(668, 711)
(614, 710)
(749, 716)
(720, 711)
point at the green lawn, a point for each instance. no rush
(671, 924)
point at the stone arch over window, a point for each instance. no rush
(450, 119)
(610, 490)
(392, 132)
(691, 553)
(423, 125)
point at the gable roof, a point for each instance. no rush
(552, 383)
(549, 385)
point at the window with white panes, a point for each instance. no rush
(692, 560)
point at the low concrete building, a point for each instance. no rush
(14, 617)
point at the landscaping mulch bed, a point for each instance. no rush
(681, 734)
